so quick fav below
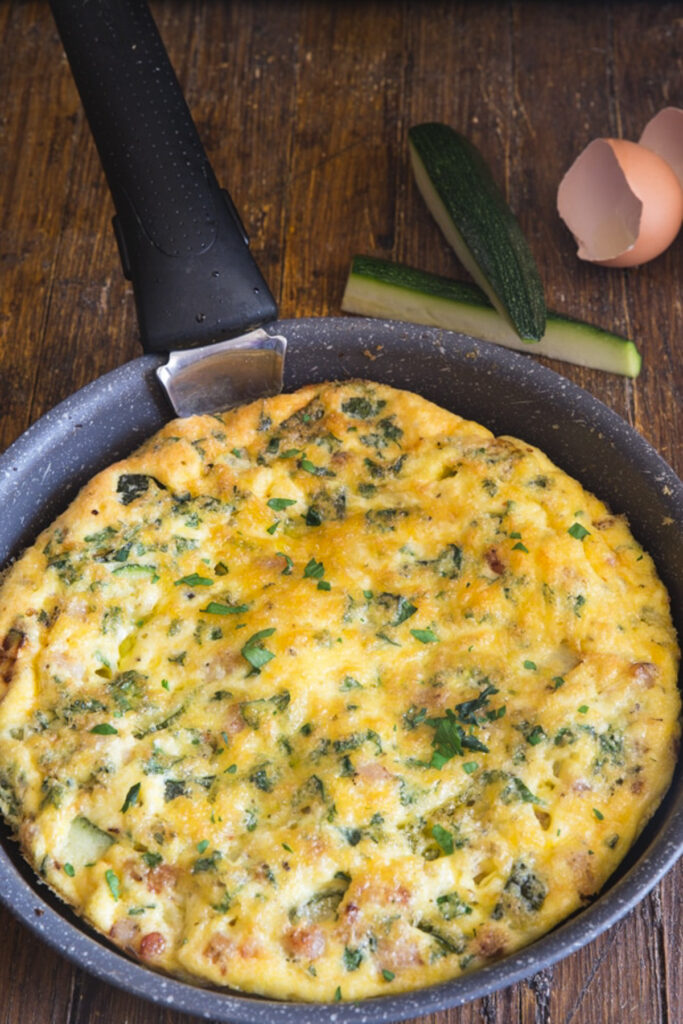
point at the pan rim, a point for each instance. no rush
(664, 846)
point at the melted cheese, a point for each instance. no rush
(332, 696)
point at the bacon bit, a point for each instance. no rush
(233, 721)
(582, 871)
(249, 948)
(604, 524)
(645, 672)
(123, 932)
(164, 876)
(494, 561)
(220, 951)
(132, 868)
(637, 786)
(152, 945)
(307, 941)
(9, 652)
(221, 666)
(490, 941)
(374, 772)
(272, 563)
(339, 458)
(352, 912)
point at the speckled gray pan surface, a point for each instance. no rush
(509, 393)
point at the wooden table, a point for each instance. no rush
(304, 108)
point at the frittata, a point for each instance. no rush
(332, 696)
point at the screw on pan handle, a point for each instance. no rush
(181, 241)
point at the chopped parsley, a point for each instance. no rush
(314, 570)
(131, 798)
(278, 504)
(104, 729)
(352, 958)
(218, 608)
(287, 571)
(578, 532)
(425, 636)
(112, 880)
(194, 580)
(444, 838)
(255, 653)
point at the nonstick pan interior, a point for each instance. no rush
(507, 392)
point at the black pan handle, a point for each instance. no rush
(181, 241)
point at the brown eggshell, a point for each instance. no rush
(664, 135)
(622, 202)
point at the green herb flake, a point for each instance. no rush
(287, 571)
(221, 569)
(278, 504)
(404, 610)
(152, 860)
(444, 838)
(194, 580)
(313, 517)
(583, 709)
(112, 880)
(425, 636)
(324, 585)
(131, 798)
(530, 665)
(202, 846)
(558, 681)
(104, 729)
(578, 532)
(520, 547)
(598, 814)
(337, 994)
(470, 767)
(255, 653)
(314, 570)
(362, 408)
(218, 608)
(352, 958)
(273, 527)
(388, 975)
(69, 870)
(536, 735)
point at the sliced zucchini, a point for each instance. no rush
(473, 214)
(85, 843)
(376, 287)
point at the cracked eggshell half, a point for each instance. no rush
(664, 135)
(622, 202)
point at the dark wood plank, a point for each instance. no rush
(36, 984)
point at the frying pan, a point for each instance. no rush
(510, 393)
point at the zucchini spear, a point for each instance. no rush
(377, 287)
(476, 220)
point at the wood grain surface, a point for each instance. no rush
(304, 108)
